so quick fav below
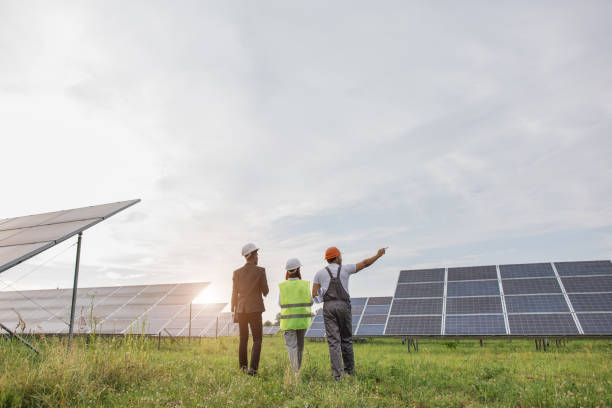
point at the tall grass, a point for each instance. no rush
(130, 371)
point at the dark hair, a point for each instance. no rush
(332, 260)
(293, 275)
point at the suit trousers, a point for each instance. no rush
(254, 321)
(338, 329)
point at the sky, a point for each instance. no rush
(455, 134)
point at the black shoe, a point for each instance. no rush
(252, 372)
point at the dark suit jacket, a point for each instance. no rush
(249, 284)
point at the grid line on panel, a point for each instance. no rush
(567, 299)
(502, 298)
(444, 300)
(361, 315)
(132, 298)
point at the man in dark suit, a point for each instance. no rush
(250, 284)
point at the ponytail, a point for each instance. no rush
(293, 275)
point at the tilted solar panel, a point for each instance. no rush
(536, 303)
(596, 323)
(473, 288)
(475, 325)
(422, 275)
(472, 273)
(474, 305)
(419, 290)
(586, 284)
(530, 286)
(526, 270)
(584, 268)
(542, 324)
(427, 306)
(591, 302)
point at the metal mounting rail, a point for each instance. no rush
(18, 337)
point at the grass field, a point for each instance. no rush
(203, 373)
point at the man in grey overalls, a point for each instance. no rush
(330, 285)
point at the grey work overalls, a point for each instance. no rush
(338, 326)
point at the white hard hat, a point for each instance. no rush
(248, 248)
(292, 264)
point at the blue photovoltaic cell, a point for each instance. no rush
(472, 273)
(371, 330)
(317, 326)
(530, 286)
(422, 275)
(315, 333)
(377, 309)
(596, 323)
(374, 319)
(474, 305)
(473, 288)
(419, 290)
(475, 324)
(430, 306)
(591, 302)
(356, 319)
(584, 268)
(526, 270)
(318, 319)
(587, 284)
(380, 300)
(542, 324)
(536, 303)
(414, 325)
(358, 301)
(320, 312)
(356, 310)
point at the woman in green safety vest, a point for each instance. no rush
(295, 302)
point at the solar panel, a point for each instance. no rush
(417, 306)
(374, 319)
(472, 273)
(419, 290)
(584, 284)
(23, 237)
(381, 309)
(358, 301)
(380, 300)
(541, 324)
(596, 323)
(591, 302)
(530, 286)
(371, 330)
(315, 333)
(473, 288)
(584, 268)
(526, 270)
(414, 325)
(536, 303)
(422, 275)
(475, 324)
(270, 330)
(356, 310)
(474, 305)
(107, 310)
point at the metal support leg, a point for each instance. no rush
(480, 342)
(74, 291)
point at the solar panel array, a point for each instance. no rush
(227, 327)
(145, 309)
(564, 298)
(23, 237)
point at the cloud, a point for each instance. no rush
(438, 131)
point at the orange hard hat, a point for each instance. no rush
(332, 252)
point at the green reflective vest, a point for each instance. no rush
(295, 304)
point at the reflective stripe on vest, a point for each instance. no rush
(295, 304)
